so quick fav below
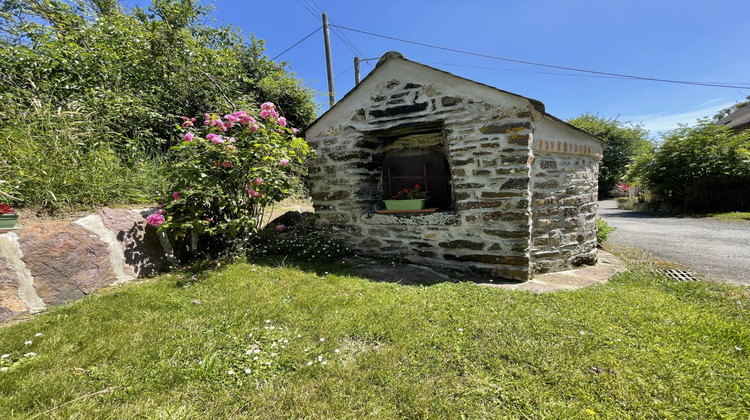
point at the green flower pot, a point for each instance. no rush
(404, 204)
(8, 221)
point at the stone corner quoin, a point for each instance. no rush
(522, 184)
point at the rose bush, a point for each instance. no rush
(225, 174)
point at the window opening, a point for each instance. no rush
(429, 171)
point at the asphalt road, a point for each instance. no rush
(716, 249)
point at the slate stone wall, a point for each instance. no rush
(563, 205)
(53, 263)
(487, 146)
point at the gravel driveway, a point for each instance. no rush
(714, 248)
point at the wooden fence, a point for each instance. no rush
(718, 193)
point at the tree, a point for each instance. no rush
(625, 141)
(688, 153)
(118, 79)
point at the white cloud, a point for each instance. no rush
(663, 121)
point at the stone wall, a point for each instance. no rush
(564, 194)
(487, 146)
(52, 263)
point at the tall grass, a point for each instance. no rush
(55, 160)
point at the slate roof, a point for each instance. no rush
(737, 118)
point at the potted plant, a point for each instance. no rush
(8, 217)
(408, 199)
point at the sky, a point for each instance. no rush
(685, 40)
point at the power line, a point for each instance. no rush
(339, 34)
(517, 70)
(308, 9)
(296, 43)
(344, 72)
(314, 5)
(531, 63)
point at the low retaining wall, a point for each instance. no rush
(52, 263)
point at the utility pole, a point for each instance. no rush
(356, 71)
(329, 63)
(358, 60)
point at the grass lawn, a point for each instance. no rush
(268, 341)
(728, 216)
(731, 216)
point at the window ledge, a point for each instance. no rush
(438, 218)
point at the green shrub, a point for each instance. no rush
(603, 230)
(688, 153)
(89, 92)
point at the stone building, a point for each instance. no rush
(738, 121)
(512, 189)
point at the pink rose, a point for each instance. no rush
(294, 131)
(283, 162)
(282, 122)
(231, 118)
(227, 164)
(155, 219)
(267, 106)
(215, 138)
(253, 193)
(258, 181)
(280, 228)
(254, 128)
(189, 136)
(160, 211)
(176, 195)
(228, 124)
(265, 114)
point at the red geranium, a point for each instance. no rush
(415, 193)
(6, 209)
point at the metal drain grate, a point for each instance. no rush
(679, 275)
